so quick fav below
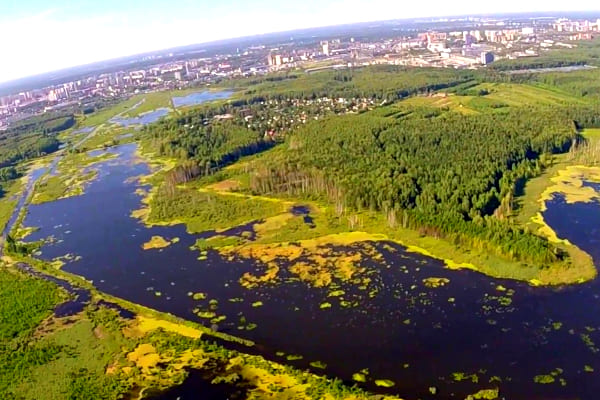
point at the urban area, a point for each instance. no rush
(481, 42)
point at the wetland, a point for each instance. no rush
(400, 315)
(336, 235)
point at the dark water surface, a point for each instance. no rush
(409, 333)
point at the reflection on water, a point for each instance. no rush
(400, 329)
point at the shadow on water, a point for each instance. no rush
(395, 325)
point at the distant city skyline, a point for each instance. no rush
(40, 37)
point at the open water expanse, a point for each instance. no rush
(419, 337)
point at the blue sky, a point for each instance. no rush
(39, 35)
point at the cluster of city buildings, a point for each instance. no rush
(480, 43)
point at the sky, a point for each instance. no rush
(39, 36)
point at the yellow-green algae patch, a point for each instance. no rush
(148, 324)
(484, 394)
(435, 282)
(144, 356)
(384, 383)
(569, 183)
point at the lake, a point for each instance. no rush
(468, 335)
(197, 98)
(142, 119)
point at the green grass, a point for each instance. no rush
(25, 303)
(102, 116)
(204, 211)
(84, 346)
(106, 136)
(152, 101)
(518, 95)
(9, 200)
(460, 104)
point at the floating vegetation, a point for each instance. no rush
(157, 242)
(384, 383)
(435, 282)
(549, 378)
(325, 305)
(157, 294)
(206, 314)
(462, 376)
(485, 394)
(318, 364)
(557, 325)
(359, 377)
(236, 300)
(336, 293)
(504, 301)
(587, 340)
(293, 357)
(588, 368)
(563, 382)
(257, 304)
(544, 379)
(199, 296)
(313, 261)
(218, 319)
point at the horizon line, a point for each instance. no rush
(8, 83)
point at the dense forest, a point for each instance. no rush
(202, 147)
(446, 176)
(586, 53)
(45, 123)
(441, 172)
(381, 82)
(15, 147)
(32, 137)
